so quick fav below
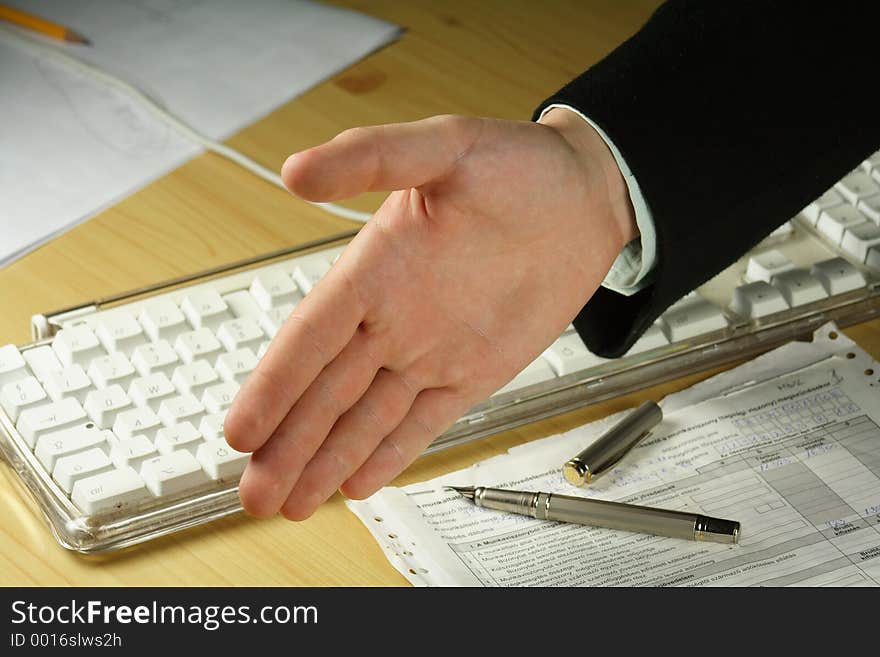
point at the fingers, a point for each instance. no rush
(351, 441)
(380, 158)
(431, 414)
(317, 330)
(276, 466)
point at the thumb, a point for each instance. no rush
(380, 158)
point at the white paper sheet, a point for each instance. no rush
(796, 459)
(71, 146)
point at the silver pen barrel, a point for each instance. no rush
(611, 515)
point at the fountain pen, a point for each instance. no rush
(600, 513)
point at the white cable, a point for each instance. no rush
(183, 128)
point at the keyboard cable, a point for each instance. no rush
(239, 158)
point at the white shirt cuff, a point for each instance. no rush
(630, 271)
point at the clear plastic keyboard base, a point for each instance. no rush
(112, 418)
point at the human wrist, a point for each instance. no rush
(594, 155)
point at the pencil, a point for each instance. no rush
(41, 25)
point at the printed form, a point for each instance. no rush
(795, 459)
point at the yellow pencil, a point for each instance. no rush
(41, 25)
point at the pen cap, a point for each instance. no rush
(716, 530)
(612, 445)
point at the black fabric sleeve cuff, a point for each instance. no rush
(732, 116)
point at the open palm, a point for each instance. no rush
(497, 234)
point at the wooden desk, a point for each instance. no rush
(494, 58)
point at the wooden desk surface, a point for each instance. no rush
(488, 57)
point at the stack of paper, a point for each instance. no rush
(70, 145)
(788, 445)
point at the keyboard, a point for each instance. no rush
(112, 418)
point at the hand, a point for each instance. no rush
(497, 235)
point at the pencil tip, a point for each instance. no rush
(76, 37)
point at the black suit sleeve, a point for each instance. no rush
(732, 117)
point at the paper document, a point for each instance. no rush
(793, 455)
(71, 145)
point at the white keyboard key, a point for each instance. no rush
(799, 287)
(201, 343)
(271, 320)
(264, 347)
(70, 382)
(77, 345)
(834, 221)
(828, 200)
(273, 288)
(20, 395)
(112, 439)
(651, 339)
(205, 309)
(183, 408)
(838, 276)
(757, 300)
(108, 491)
(858, 239)
(132, 452)
(154, 358)
(240, 333)
(211, 426)
(12, 366)
(870, 207)
(242, 304)
(194, 378)
(220, 461)
(535, 372)
(219, 397)
(162, 320)
(70, 469)
(691, 297)
(764, 266)
(120, 332)
(136, 421)
(172, 473)
(69, 441)
(334, 254)
(690, 317)
(873, 259)
(180, 436)
(104, 405)
(308, 272)
(42, 361)
(781, 232)
(872, 163)
(149, 391)
(236, 365)
(114, 369)
(33, 423)
(857, 185)
(568, 354)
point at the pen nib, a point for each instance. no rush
(464, 491)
